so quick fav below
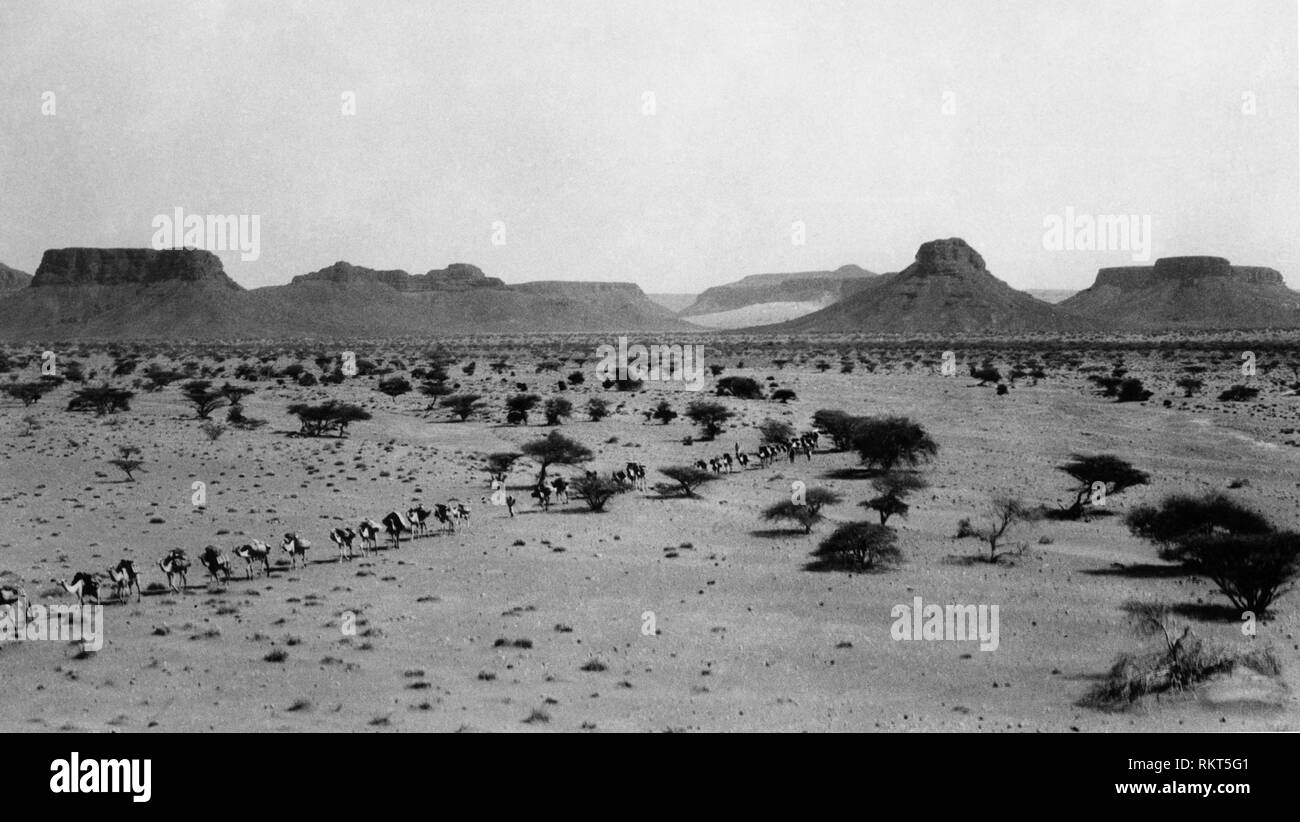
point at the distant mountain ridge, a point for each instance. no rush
(185, 293)
(1051, 295)
(12, 279)
(1196, 292)
(96, 293)
(673, 302)
(455, 277)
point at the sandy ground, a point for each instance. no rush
(746, 638)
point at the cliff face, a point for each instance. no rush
(946, 289)
(1125, 277)
(129, 266)
(1258, 275)
(947, 258)
(1185, 270)
(817, 287)
(600, 299)
(1188, 292)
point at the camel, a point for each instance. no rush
(124, 578)
(82, 586)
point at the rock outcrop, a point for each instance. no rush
(947, 289)
(1188, 292)
(129, 266)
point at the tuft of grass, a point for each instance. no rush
(537, 716)
(277, 655)
(594, 666)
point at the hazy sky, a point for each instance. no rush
(764, 113)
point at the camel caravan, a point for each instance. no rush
(413, 523)
(256, 554)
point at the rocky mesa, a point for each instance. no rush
(129, 266)
(1195, 293)
(946, 289)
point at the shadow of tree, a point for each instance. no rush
(1207, 611)
(831, 565)
(852, 473)
(776, 533)
(1144, 570)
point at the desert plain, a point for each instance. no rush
(662, 612)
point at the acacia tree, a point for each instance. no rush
(664, 412)
(394, 386)
(859, 546)
(595, 491)
(890, 441)
(892, 490)
(128, 461)
(317, 420)
(745, 388)
(27, 392)
(1181, 518)
(500, 462)
(433, 389)
(775, 431)
(557, 408)
(518, 407)
(555, 449)
(597, 409)
(159, 377)
(687, 477)
(838, 425)
(462, 405)
(709, 416)
(1101, 472)
(807, 513)
(102, 399)
(235, 394)
(203, 397)
(1003, 514)
(1252, 570)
